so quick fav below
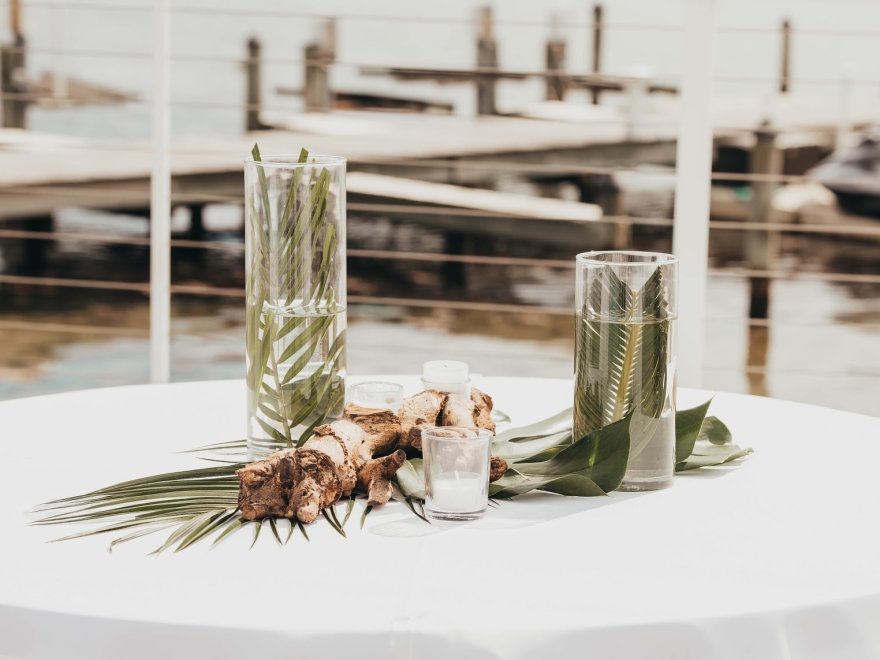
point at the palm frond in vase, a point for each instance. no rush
(295, 311)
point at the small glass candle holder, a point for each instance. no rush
(456, 464)
(377, 394)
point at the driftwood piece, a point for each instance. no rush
(298, 483)
(363, 450)
(292, 483)
(472, 411)
(497, 468)
(418, 412)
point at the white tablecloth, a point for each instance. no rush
(778, 557)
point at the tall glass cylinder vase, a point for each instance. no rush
(625, 357)
(295, 299)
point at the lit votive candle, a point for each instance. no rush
(456, 464)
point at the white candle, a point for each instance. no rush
(458, 492)
(446, 376)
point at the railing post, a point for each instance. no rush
(487, 58)
(693, 179)
(785, 66)
(596, 63)
(160, 200)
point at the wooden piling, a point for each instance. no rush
(785, 66)
(36, 252)
(317, 88)
(555, 55)
(253, 75)
(596, 63)
(487, 59)
(762, 247)
(13, 89)
(196, 222)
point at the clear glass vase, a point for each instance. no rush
(625, 357)
(295, 298)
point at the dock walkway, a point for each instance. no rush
(40, 173)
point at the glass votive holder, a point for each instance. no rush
(456, 465)
(377, 394)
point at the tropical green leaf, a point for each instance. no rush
(714, 455)
(258, 527)
(529, 447)
(514, 483)
(211, 525)
(559, 422)
(231, 528)
(410, 478)
(604, 453)
(573, 485)
(687, 429)
(715, 431)
(219, 446)
(329, 517)
(349, 507)
(290, 531)
(364, 515)
(274, 527)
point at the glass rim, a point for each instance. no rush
(478, 433)
(291, 161)
(388, 384)
(593, 258)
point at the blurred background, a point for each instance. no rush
(487, 146)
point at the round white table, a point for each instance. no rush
(776, 557)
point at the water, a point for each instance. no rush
(651, 463)
(295, 381)
(628, 369)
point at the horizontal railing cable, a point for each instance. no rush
(251, 12)
(202, 289)
(237, 246)
(477, 164)
(72, 328)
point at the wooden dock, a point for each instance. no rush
(42, 173)
(107, 176)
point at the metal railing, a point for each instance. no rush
(693, 175)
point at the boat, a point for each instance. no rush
(853, 175)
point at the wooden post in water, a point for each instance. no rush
(253, 101)
(317, 92)
(596, 63)
(12, 83)
(785, 67)
(487, 58)
(555, 54)
(761, 246)
(319, 56)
